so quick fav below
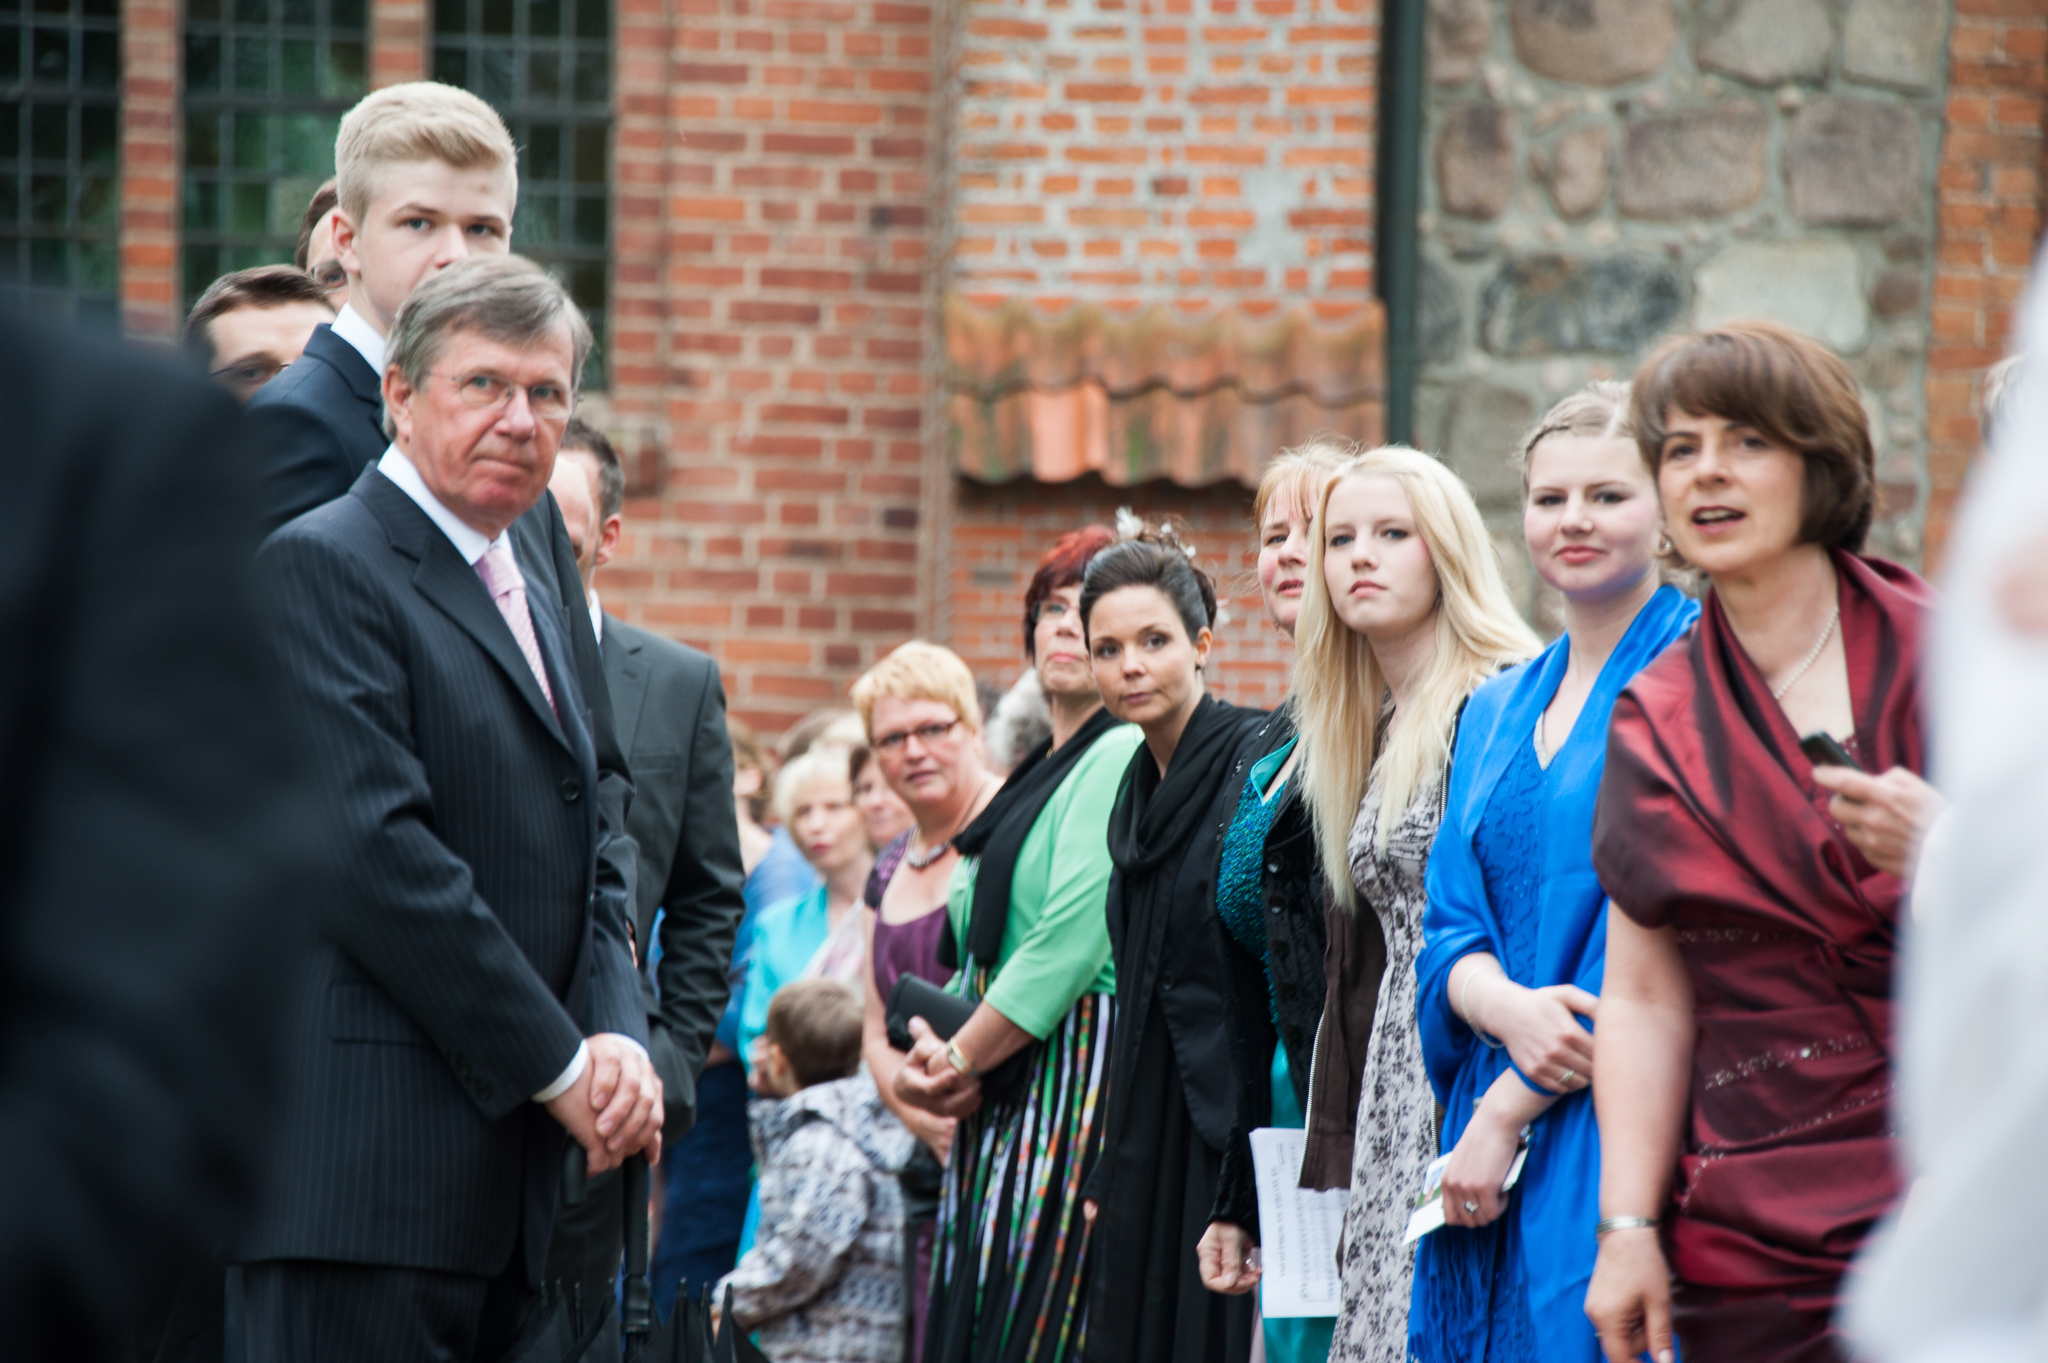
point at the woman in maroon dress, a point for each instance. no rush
(1743, 1066)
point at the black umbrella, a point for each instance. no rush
(686, 1336)
(563, 1328)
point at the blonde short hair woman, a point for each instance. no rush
(1406, 611)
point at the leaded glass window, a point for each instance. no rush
(546, 66)
(60, 157)
(266, 84)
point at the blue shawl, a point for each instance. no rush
(1558, 1197)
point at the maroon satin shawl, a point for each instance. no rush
(1709, 821)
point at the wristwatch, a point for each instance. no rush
(959, 1061)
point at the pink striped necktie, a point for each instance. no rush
(507, 587)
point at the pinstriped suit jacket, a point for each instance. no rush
(480, 931)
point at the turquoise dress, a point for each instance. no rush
(1240, 903)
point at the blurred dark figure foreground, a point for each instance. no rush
(147, 905)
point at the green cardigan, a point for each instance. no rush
(1056, 943)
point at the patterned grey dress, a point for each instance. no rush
(1397, 1130)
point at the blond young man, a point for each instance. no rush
(426, 175)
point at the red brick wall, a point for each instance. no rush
(1000, 533)
(398, 42)
(1166, 152)
(150, 90)
(1211, 156)
(1990, 224)
(773, 336)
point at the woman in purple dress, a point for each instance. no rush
(924, 725)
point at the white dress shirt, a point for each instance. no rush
(471, 544)
(596, 616)
(351, 326)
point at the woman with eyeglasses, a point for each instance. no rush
(1026, 912)
(924, 727)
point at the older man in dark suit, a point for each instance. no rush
(474, 993)
(669, 709)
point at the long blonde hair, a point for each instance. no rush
(1339, 686)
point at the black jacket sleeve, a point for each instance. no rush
(152, 865)
(701, 909)
(411, 908)
(615, 1003)
(305, 460)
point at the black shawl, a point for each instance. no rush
(997, 836)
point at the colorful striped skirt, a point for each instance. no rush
(1009, 1271)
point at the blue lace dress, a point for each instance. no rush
(1509, 859)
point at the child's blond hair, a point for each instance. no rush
(419, 121)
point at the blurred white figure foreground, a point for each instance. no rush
(1963, 1272)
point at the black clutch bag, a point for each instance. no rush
(945, 1014)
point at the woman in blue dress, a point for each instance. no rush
(1514, 935)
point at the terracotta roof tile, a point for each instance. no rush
(1149, 395)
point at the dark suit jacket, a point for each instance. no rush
(148, 891)
(669, 709)
(479, 932)
(321, 424)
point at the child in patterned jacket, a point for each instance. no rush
(823, 1282)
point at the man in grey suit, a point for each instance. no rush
(669, 709)
(473, 994)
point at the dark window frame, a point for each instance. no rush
(266, 85)
(60, 158)
(546, 67)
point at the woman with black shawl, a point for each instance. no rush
(1174, 1158)
(1025, 906)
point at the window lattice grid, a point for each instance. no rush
(60, 162)
(545, 66)
(266, 84)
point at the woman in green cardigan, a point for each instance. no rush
(1026, 911)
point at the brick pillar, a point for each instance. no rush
(790, 138)
(398, 42)
(1990, 223)
(640, 171)
(150, 87)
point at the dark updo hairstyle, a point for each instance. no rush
(1790, 389)
(1151, 556)
(1065, 564)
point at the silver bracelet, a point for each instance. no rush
(1465, 1010)
(1608, 1223)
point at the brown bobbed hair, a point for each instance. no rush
(1790, 389)
(1064, 565)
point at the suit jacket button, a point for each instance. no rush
(571, 792)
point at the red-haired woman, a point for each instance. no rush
(1026, 911)
(1744, 1060)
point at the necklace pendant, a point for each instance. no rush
(917, 863)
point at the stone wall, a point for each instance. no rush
(1604, 172)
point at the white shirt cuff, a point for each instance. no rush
(577, 1063)
(568, 1077)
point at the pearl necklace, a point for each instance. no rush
(937, 850)
(1778, 692)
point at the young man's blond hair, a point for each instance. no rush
(419, 121)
